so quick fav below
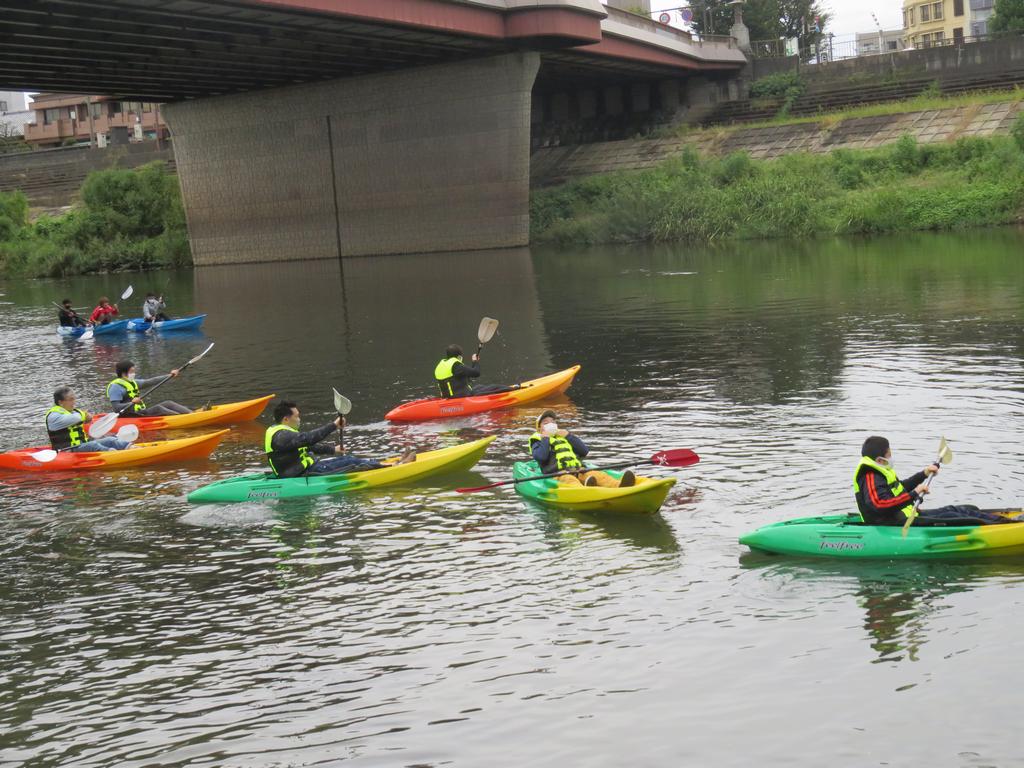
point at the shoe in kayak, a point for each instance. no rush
(139, 325)
(226, 413)
(643, 498)
(138, 455)
(844, 536)
(446, 408)
(266, 485)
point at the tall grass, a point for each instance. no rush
(904, 186)
(127, 219)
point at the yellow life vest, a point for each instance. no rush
(285, 459)
(890, 478)
(69, 437)
(132, 390)
(563, 456)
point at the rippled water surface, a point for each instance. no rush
(418, 627)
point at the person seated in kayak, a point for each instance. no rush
(453, 375)
(65, 425)
(153, 308)
(557, 450)
(289, 451)
(68, 317)
(123, 393)
(883, 499)
(104, 313)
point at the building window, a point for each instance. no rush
(890, 45)
(958, 7)
(926, 13)
(147, 107)
(3, 106)
(51, 115)
(938, 37)
(936, 11)
(981, 5)
(908, 20)
(96, 109)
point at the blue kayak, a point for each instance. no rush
(73, 332)
(181, 324)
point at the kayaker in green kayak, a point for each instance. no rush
(452, 375)
(883, 499)
(123, 393)
(289, 451)
(556, 450)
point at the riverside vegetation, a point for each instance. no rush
(903, 186)
(127, 219)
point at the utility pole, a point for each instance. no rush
(92, 128)
(881, 35)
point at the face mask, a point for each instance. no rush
(887, 462)
(550, 428)
(131, 377)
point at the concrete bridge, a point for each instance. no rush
(327, 128)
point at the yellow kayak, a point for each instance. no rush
(644, 498)
(266, 485)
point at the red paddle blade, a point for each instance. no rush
(482, 487)
(678, 457)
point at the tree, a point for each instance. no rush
(769, 19)
(1008, 16)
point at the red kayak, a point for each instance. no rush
(446, 408)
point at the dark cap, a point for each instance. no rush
(548, 413)
(874, 447)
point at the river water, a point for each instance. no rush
(418, 627)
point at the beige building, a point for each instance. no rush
(65, 118)
(935, 22)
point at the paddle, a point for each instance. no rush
(486, 331)
(129, 433)
(343, 406)
(677, 457)
(102, 425)
(124, 296)
(945, 457)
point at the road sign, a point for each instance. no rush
(687, 15)
(664, 18)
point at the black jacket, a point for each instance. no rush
(461, 374)
(285, 445)
(876, 501)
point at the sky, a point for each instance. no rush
(848, 16)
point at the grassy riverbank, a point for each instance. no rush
(127, 219)
(904, 186)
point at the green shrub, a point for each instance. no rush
(782, 84)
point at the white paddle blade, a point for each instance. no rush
(945, 453)
(201, 355)
(342, 404)
(44, 457)
(102, 425)
(86, 336)
(486, 331)
(129, 433)
(127, 293)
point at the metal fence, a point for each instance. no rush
(831, 48)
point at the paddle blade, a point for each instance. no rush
(200, 356)
(482, 487)
(487, 329)
(127, 293)
(945, 452)
(102, 425)
(342, 404)
(44, 457)
(86, 336)
(129, 433)
(678, 457)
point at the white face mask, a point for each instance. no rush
(550, 428)
(131, 377)
(887, 462)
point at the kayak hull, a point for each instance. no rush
(843, 536)
(225, 413)
(264, 485)
(179, 324)
(117, 326)
(71, 331)
(644, 498)
(441, 408)
(142, 454)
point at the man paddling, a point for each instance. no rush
(104, 313)
(883, 499)
(65, 426)
(153, 308)
(452, 375)
(289, 451)
(557, 450)
(123, 393)
(68, 317)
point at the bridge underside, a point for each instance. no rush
(328, 128)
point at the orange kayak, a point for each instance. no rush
(138, 455)
(446, 408)
(226, 413)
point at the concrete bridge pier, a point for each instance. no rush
(428, 159)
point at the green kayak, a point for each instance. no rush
(266, 485)
(846, 537)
